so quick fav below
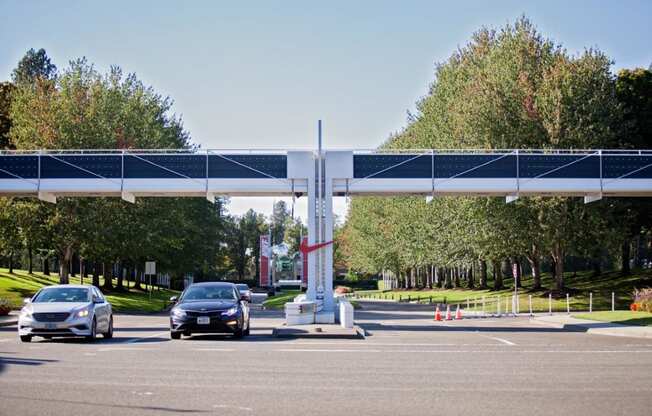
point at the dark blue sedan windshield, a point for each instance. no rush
(194, 293)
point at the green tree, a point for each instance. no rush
(5, 120)
(34, 65)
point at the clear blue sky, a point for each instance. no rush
(262, 73)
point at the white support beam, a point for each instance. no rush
(592, 198)
(47, 197)
(128, 196)
(511, 198)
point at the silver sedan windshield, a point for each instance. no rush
(62, 294)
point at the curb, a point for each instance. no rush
(8, 323)
(615, 331)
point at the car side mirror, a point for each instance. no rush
(27, 301)
(174, 299)
(244, 297)
(97, 299)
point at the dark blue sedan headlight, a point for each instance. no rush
(232, 311)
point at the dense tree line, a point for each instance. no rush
(509, 89)
(81, 108)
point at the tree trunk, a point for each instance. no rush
(469, 276)
(120, 277)
(107, 273)
(558, 256)
(448, 275)
(85, 265)
(457, 276)
(625, 252)
(535, 265)
(137, 280)
(46, 266)
(483, 274)
(96, 275)
(437, 277)
(30, 260)
(596, 264)
(64, 266)
(11, 262)
(498, 275)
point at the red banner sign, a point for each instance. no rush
(264, 260)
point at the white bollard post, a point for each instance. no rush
(468, 304)
(529, 301)
(514, 309)
(613, 301)
(590, 302)
(567, 304)
(518, 304)
(506, 306)
(498, 306)
(483, 307)
(550, 303)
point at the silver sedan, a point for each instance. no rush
(66, 311)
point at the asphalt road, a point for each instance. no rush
(408, 365)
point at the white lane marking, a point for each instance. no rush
(5, 340)
(145, 393)
(504, 341)
(214, 349)
(227, 406)
(139, 339)
(125, 349)
(90, 354)
(323, 350)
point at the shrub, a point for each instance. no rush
(5, 307)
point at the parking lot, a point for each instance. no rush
(407, 365)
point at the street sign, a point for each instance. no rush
(150, 267)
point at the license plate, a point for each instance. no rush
(50, 326)
(203, 320)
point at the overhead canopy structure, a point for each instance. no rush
(322, 174)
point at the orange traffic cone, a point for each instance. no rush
(458, 313)
(437, 314)
(448, 312)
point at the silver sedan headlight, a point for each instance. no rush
(25, 313)
(82, 313)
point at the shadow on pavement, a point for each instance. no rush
(6, 361)
(107, 405)
(101, 341)
(141, 329)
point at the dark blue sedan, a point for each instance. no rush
(209, 308)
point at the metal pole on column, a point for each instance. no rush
(320, 214)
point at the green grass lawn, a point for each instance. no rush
(19, 285)
(619, 317)
(279, 300)
(579, 284)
